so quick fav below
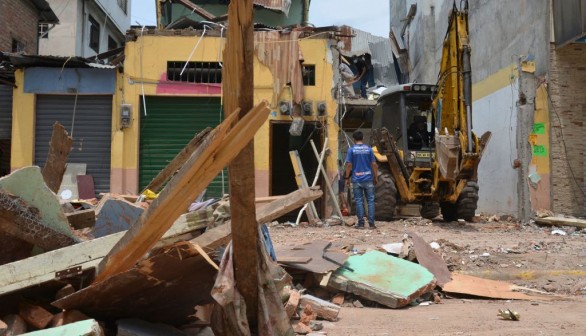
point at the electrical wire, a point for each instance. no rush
(564, 145)
(141, 67)
(205, 27)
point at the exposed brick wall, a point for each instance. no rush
(19, 21)
(567, 89)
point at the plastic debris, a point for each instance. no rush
(559, 232)
(507, 314)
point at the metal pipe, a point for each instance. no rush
(468, 93)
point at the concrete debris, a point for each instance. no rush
(81, 328)
(382, 278)
(115, 215)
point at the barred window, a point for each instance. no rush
(195, 72)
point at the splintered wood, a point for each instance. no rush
(215, 152)
(238, 93)
(57, 157)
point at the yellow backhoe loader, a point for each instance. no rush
(423, 139)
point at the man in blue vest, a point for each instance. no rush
(361, 168)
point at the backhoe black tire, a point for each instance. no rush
(449, 211)
(429, 210)
(468, 201)
(465, 207)
(385, 195)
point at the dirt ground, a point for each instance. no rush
(524, 254)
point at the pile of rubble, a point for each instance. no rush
(123, 265)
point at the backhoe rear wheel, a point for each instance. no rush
(429, 210)
(385, 194)
(465, 207)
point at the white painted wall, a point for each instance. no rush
(62, 39)
(120, 18)
(71, 36)
(497, 179)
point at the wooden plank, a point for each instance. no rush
(164, 175)
(221, 235)
(82, 219)
(223, 144)
(197, 9)
(85, 187)
(430, 260)
(471, 285)
(294, 260)
(301, 180)
(333, 195)
(56, 163)
(315, 251)
(560, 221)
(238, 92)
(42, 268)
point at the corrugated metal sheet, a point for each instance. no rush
(91, 132)
(379, 48)
(280, 5)
(281, 53)
(569, 20)
(170, 123)
(5, 112)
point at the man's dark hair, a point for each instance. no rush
(358, 136)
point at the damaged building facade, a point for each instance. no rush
(141, 112)
(527, 72)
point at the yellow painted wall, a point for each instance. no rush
(491, 84)
(23, 125)
(145, 66)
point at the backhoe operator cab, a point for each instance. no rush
(406, 111)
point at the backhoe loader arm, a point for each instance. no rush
(453, 104)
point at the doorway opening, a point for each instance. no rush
(282, 175)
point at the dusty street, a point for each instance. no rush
(525, 255)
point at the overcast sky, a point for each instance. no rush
(368, 15)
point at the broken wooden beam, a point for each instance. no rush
(56, 162)
(164, 175)
(238, 92)
(221, 235)
(219, 148)
(44, 267)
(561, 221)
(22, 221)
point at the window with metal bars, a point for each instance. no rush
(195, 72)
(308, 72)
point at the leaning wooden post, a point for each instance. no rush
(238, 90)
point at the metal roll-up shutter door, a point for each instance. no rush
(5, 128)
(170, 123)
(91, 131)
(5, 112)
